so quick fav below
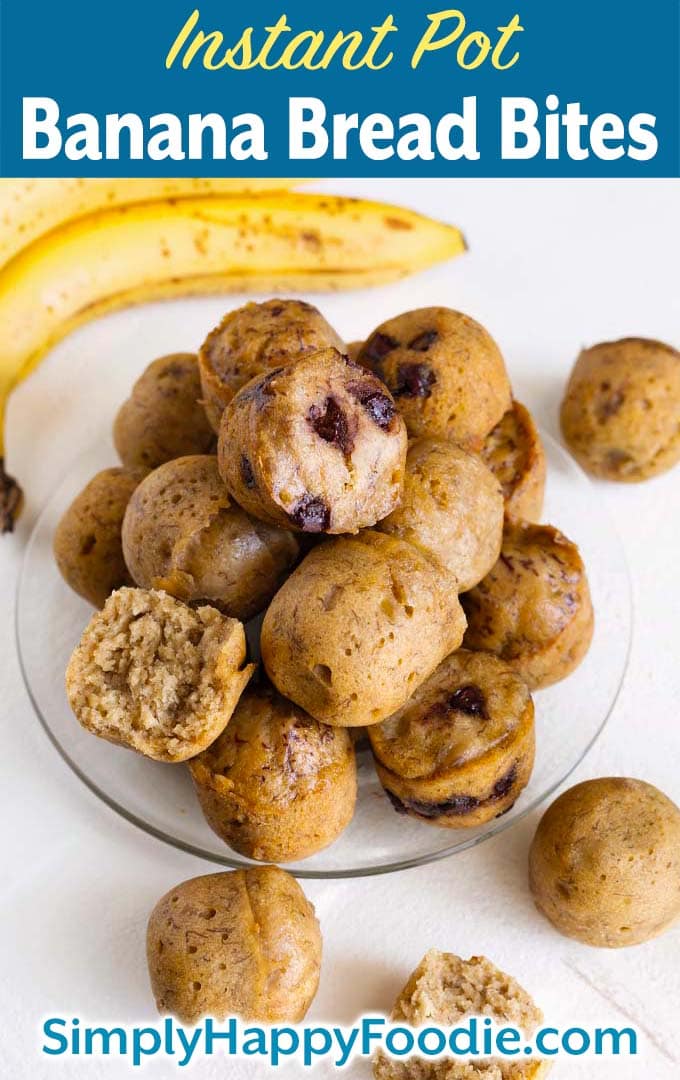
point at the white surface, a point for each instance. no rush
(552, 265)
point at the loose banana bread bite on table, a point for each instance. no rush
(163, 418)
(358, 626)
(445, 990)
(244, 943)
(461, 750)
(621, 409)
(276, 785)
(604, 865)
(185, 534)
(252, 340)
(514, 453)
(445, 372)
(451, 509)
(87, 543)
(151, 674)
(316, 446)
(533, 609)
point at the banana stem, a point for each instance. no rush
(11, 499)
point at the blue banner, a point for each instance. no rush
(493, 88)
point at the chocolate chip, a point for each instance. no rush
(422, 342)
(398, 804)
(469, 699)
(353, 364)
(257, 391)
(88, 544)
(247, 475)
(380, 409)
(378, 405)
(311, 514)
(277, 310)
(330, 424)
(414, 380)
(504, 785)
(378, 347)
(456, 806)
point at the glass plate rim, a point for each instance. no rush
(235, 862)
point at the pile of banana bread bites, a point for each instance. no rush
(379, 503)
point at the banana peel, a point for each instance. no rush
(30, 208)
(189, 246)
(11, 500)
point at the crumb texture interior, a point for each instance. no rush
(155, 675)
(444, 989)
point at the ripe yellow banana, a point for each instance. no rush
(29, 208)
(166, 248)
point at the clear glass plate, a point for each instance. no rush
(160, 799)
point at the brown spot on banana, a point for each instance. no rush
(11, 500)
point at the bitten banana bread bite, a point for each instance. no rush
(245, 943)
(254, 339)
(317, 446)
(621, 410)
(452, 509)
(87, 541)
(276, 785)
(533, 609)
(604, 865)
(358, 626)
(461, 750)
(153, 675)
(444, 371)
(445, 990)
(185, 534)
(163, 418)
(514, 453)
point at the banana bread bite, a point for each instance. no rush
(184, 533)
(151, 674)
(445, 990)
(621, 410)
(604, 865)
(444, 371)
(254, 339)
(163, 418)
(276, 785)
(358, 626)
(317, 446)
(514, 453)
(452, 509)
(87, 541)
(245, 943)
(533, 609)
(461, 750)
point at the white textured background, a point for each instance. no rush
(553, 265)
